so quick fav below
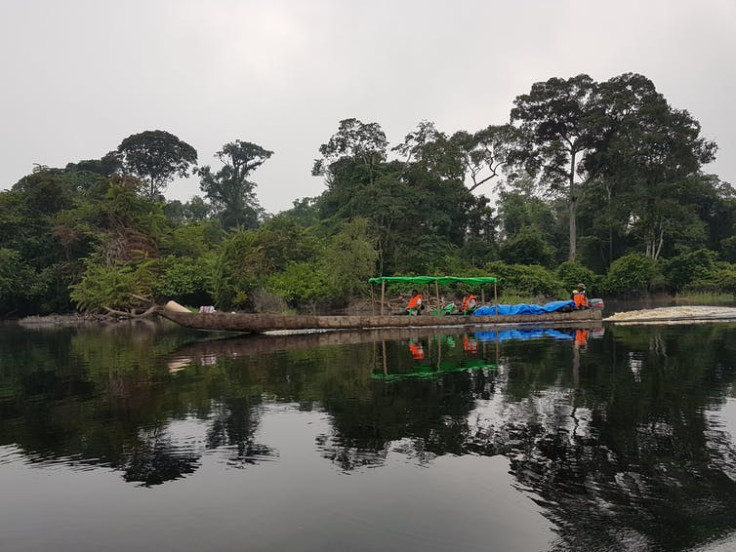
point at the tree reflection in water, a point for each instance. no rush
(613, 437)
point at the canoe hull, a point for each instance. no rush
(259, 323)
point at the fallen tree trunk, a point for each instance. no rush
(148, 313)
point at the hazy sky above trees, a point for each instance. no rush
(79, 76)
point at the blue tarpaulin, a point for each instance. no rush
(523, 308)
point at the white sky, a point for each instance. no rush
(79, 76)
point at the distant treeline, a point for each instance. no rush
(594, 182)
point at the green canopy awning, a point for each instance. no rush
(441, 280)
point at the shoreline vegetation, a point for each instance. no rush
(642, 303)
(595, 182)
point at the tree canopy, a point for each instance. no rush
(155, 156)
(599, 181)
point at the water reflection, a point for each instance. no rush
(616, 436)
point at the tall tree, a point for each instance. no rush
(555, 122)
(229, 190)
(364, 143)
(652, 153)
(156, 157)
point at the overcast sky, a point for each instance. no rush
(79, 76)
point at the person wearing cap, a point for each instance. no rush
(580, 297)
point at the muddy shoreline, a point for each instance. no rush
(73, 320)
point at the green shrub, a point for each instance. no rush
(572, 273)
(241, 266)
(721, 279)
(632, 273)
(299, 283)
(526, 279)
(691, 270)
(19, 282)
(112, 287)
(348, 260)
(186, 280)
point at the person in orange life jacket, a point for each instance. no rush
(581, 338)
(470, 302)
(469, 345)
(416, 349)
(580, 297)
(415, 304)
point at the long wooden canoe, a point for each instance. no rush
(259, 323)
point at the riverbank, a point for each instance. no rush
(72, 320)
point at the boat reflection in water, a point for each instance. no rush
(430, 352)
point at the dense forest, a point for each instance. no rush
(599, 182)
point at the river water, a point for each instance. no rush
(149, 437)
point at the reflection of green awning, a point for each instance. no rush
(441, 280)
(430, 371)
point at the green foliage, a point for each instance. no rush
(348, 260)
(299, 282)
(633, 273)
(19, 283)
(728, 249)
(689, 269)
(722, 277)
(525, 280)
(283, 240)
(364, 143)
(573, 273)
(186, 280)
(305, 212)
(527, 246)
(193, 240)
(241, 266)
(343, 263)
(112, 287)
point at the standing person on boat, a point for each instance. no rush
(580, 297)
(415, 305)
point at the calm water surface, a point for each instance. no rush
(148, 437)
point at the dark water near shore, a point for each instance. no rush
(148, 437)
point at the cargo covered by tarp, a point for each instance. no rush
(524, 308)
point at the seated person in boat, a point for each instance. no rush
(470, 303)
(580, 297)
(415, 305)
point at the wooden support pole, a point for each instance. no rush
(439, 352)
(437, 294)
(385, 362)
(495, 297)
(383, 294)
